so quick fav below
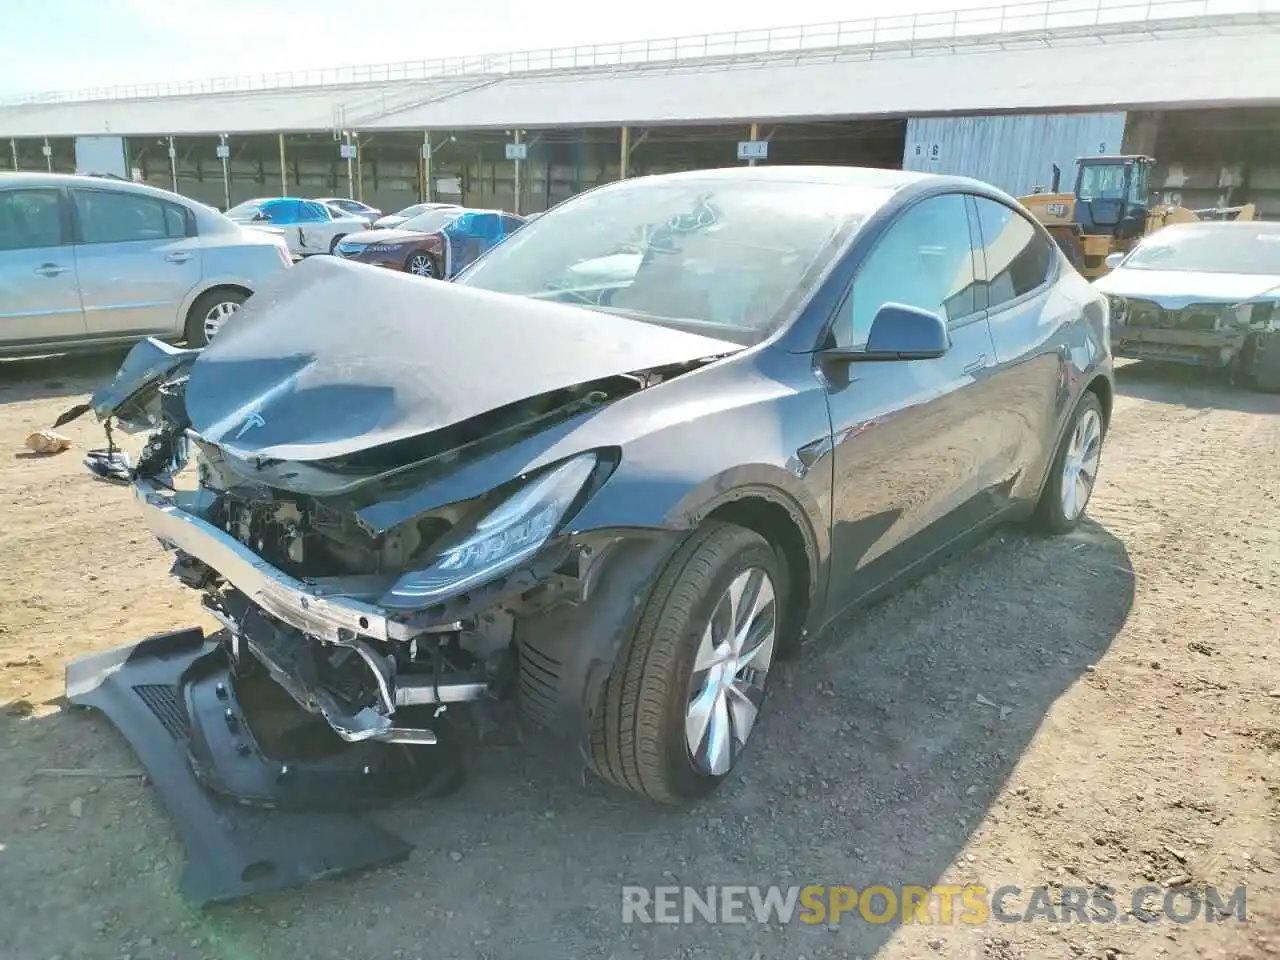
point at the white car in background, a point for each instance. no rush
(309, 226)
(89, 262)
(1205, 294)
(354, 207)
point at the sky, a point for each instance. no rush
(72, 44)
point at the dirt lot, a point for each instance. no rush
(1129, 721)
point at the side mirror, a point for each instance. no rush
(899, 332)
(1114, 260)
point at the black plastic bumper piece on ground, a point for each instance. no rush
(233, 850)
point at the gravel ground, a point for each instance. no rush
(1103, 708)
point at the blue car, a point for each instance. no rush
(308, 226)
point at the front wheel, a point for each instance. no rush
(1266, 362)
(333, 244)
(1075, 469)
(685, 694)
(420, 264)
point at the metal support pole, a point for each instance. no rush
(284, 169)
(48, 155)
(226, 173)
(624, 159)
(351, 184)
(517, 183)
(359, 172)
(755, 134)
(173, 164)
(426, 166)
(13, 151)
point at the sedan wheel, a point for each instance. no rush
(685, 694)
(1075, 469)
(420, 265)
(216, 316)
(210, 313)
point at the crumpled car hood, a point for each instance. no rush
(1175, 289)
(333, 358)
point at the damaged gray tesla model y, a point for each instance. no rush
(625, 461)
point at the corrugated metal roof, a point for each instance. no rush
(1211, 63)
(1015, 152)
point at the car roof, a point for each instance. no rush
(28, 178)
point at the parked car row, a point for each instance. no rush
(90, 262)
(436, 243)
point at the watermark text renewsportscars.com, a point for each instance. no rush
(905, 903)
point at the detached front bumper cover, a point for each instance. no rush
(172, 699)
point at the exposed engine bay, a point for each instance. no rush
(339, 613)
(1213, 334)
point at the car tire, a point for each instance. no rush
(420, 264)
(210, 310)
(667, 680)
(1078, 452)
(1266, 363)
(333, 244)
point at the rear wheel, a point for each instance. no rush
(211, 310)
(685, 694)
(1075, 469)
(333, 244)
(420, 264)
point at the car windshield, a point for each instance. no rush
(1209, 249)
(431, 221)
(413, 211)
(726, 258)
(245, 211)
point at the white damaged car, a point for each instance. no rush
(1206, 294)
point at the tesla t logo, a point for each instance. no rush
(251, 421)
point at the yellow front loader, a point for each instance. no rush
(1109, 211)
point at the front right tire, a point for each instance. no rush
(685, 694)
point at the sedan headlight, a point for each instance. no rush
(1117, 308)
(509, 535)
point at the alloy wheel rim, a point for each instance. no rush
(729, 672)
(1080, 466)
(420, 265)
(219, 314)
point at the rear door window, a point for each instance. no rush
(107, 216)
(1019, 259)
(313, 212)
(30, 219)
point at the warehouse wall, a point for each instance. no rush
(1013, 152)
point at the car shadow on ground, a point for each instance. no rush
(54, 376)
(1193, 387)
(884, 746)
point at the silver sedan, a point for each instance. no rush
(87, 262)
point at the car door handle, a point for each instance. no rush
(178, 257)
(977, 364)
(51, 269)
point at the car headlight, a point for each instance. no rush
(1117, 309)
(507, 536)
